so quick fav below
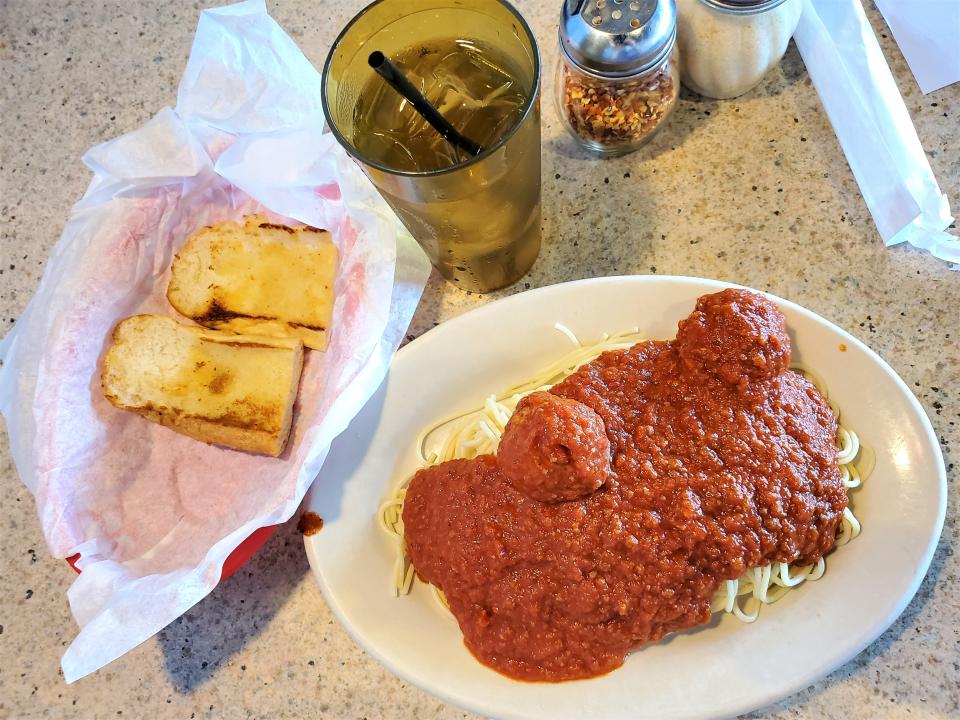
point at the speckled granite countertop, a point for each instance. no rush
(754, 191)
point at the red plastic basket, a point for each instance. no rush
(241, 554)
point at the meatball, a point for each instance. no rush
(554, 449)
(737, 335)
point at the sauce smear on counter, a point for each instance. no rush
(621, 500)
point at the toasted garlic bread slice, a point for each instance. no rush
(233, 390)
(258, 278)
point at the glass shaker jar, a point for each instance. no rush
(617, 78)
(729, 45)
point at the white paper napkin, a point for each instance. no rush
(874, 128)
(928, 33)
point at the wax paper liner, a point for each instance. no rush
(873, 126)
(153, 513)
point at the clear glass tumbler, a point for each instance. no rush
(478, 219)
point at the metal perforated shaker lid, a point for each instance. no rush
(617, 38)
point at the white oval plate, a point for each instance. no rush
(717, 671)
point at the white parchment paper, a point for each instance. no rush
(154, 514)
(873, 126)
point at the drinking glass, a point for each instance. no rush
(479, 219)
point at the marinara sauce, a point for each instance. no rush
(616, 508)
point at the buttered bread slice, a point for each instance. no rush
(233, 390)
(258, 277)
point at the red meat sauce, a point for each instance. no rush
(620, 500)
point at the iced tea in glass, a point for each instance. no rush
(478, 218)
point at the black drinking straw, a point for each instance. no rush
(391, 73)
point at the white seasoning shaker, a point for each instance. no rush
(727, 46)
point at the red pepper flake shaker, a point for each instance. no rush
(618, 73)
